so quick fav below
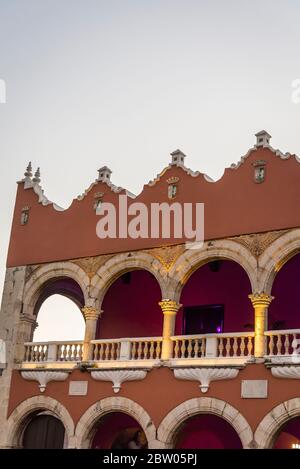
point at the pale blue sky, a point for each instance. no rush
(123, 83)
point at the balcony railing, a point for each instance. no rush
(142, 348)
(213, 345)
(39, 352)
(283, 343)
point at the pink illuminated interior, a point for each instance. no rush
(229, 286)
(131, 309)
(207, 432)
(284, 311)
(114, 431)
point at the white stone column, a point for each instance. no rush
(91, 315)
(260, 302)
(169, 309)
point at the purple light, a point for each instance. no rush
(219, 329)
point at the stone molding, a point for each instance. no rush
(205, 375)
(44, 377)
(117, 377)
(267, 430)
(171, 424)
(286, 372)
(86, 425)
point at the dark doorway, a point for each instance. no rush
(44, 432)
(207, 319)
(207, 432)
(117, 430)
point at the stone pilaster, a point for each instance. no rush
(11, 308)
(26, 328)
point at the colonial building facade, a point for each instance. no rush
(192, 348)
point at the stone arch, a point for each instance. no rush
(268, 429)
(121, 263)
(18, 419)
(192, 259)
(170, 425)
(87, 422)
(275, 256)
(49, 272)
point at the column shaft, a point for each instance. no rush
(260, 302)
(169, 309)
(91, 317)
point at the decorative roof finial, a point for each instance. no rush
(178, 158)
(104, 174)
(28, 172)
(37, 176)
(262, 139)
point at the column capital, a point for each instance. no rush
(261, 299)
(29, 320)
(169, 306)
(91, 313)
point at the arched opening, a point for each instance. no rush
(131, 307)
(207, 431)
(118, 430)
(44, 431)
(284, 310)
(58, 310)
(289, 435)
(215, 299)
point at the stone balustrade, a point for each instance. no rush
(208, 346)
(283, 342)
(225, 345)
(141, 348)
(67, 351)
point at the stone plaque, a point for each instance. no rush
(78, 388)
(255, 389)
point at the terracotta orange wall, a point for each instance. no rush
(234, 205)
(160, 392)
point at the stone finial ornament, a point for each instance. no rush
(104, 174)
(37, 176)
(262, 138)
(178, 158)
(28, 172)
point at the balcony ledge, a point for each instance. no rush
(279, 360)
(238, 362)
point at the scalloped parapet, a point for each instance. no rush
(244, 200)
